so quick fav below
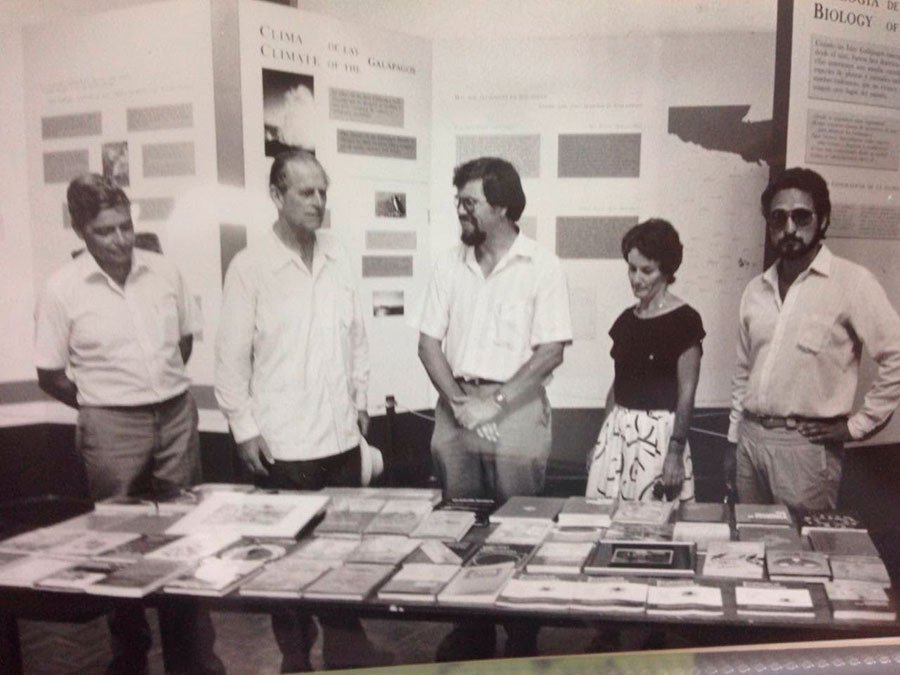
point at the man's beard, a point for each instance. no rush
(474, 237)
(793, 252)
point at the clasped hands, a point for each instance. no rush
(478, 414)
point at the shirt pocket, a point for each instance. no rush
(511, 324)
(167, 322)
(814, 333)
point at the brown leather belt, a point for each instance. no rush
(776, 422)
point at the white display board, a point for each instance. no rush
(844, 122)
(606, 132)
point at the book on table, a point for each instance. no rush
(735, 560)
(644, 559)
(286, 577)
(585, 512)
(702, 512)
(859, 601)
(38, 541)
(643, 513)
(619, 532)
(431, 495)
(325, 548)
(610, 594)
(538, 591)
(859, 568)
(699, 533)
(762, 514)
(417, 582)
(478, 585)
(495, 554)
(93, 520)
(351, 581)
(523, 532)
(559, 557)
(574, 535)
(127, 505)
(771, 599)
(774, 537)
(214, 577)
(26, 570)
(399, 516)
(193, 547)
(258, 548)
(148, 523)
(74, 578)
(684, 599)
(445, 525)
(438, 552)
(386, 549)
(135, 549)
(528, 508)
(805, 566)
(90, 543)
(843, 542)
(253, 514)
(830, 520)
(139, 579)
(349, 516)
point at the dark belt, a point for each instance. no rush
(147, 407)
(776, 422)
(476, 381)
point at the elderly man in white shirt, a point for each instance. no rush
(803, 325)
(292, 372)
(499, 304)
(114, 330)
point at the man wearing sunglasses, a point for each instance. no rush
(803, 325)
(114, 331)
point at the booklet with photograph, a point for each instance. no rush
(830, 520)
(496, 554)
(139, 579)
(75, 578)
(349, 516)
(645, 559)
(624, 532)
(286, 577)
(610, 594)
(417, 582)
(354, 581)
(843, 542)
(443, 552)
(859, 568)
(701, 533)
(90, 544)
(135, 549)
(258, 548)
(253, 514)
(735, 559)
(774, 537)
(325, 548)
(193, 547)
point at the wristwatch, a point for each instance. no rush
(500, 399)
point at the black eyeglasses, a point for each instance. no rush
(778, 218)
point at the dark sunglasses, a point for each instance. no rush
(779, 217)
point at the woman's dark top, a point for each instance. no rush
(646, 354)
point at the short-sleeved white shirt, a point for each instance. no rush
(119, 345)
(491, 325)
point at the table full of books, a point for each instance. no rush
(388, 547)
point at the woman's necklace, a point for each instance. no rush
(655, 307)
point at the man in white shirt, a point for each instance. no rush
(803, 325)
(114, 330)
(499, 304)
(292, 373)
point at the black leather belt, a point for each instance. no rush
(776, 422)
(476, 381)
(147, 407)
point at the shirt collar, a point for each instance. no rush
(282, 255)
(522, 247)
(89, 268)
(821, 264)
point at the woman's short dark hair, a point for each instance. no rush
(656, 240)
(805, 180)
(500, 182)
(278, 172)
(90, 193)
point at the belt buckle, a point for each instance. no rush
(790, 423)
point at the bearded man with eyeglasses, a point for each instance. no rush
(803, 325)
